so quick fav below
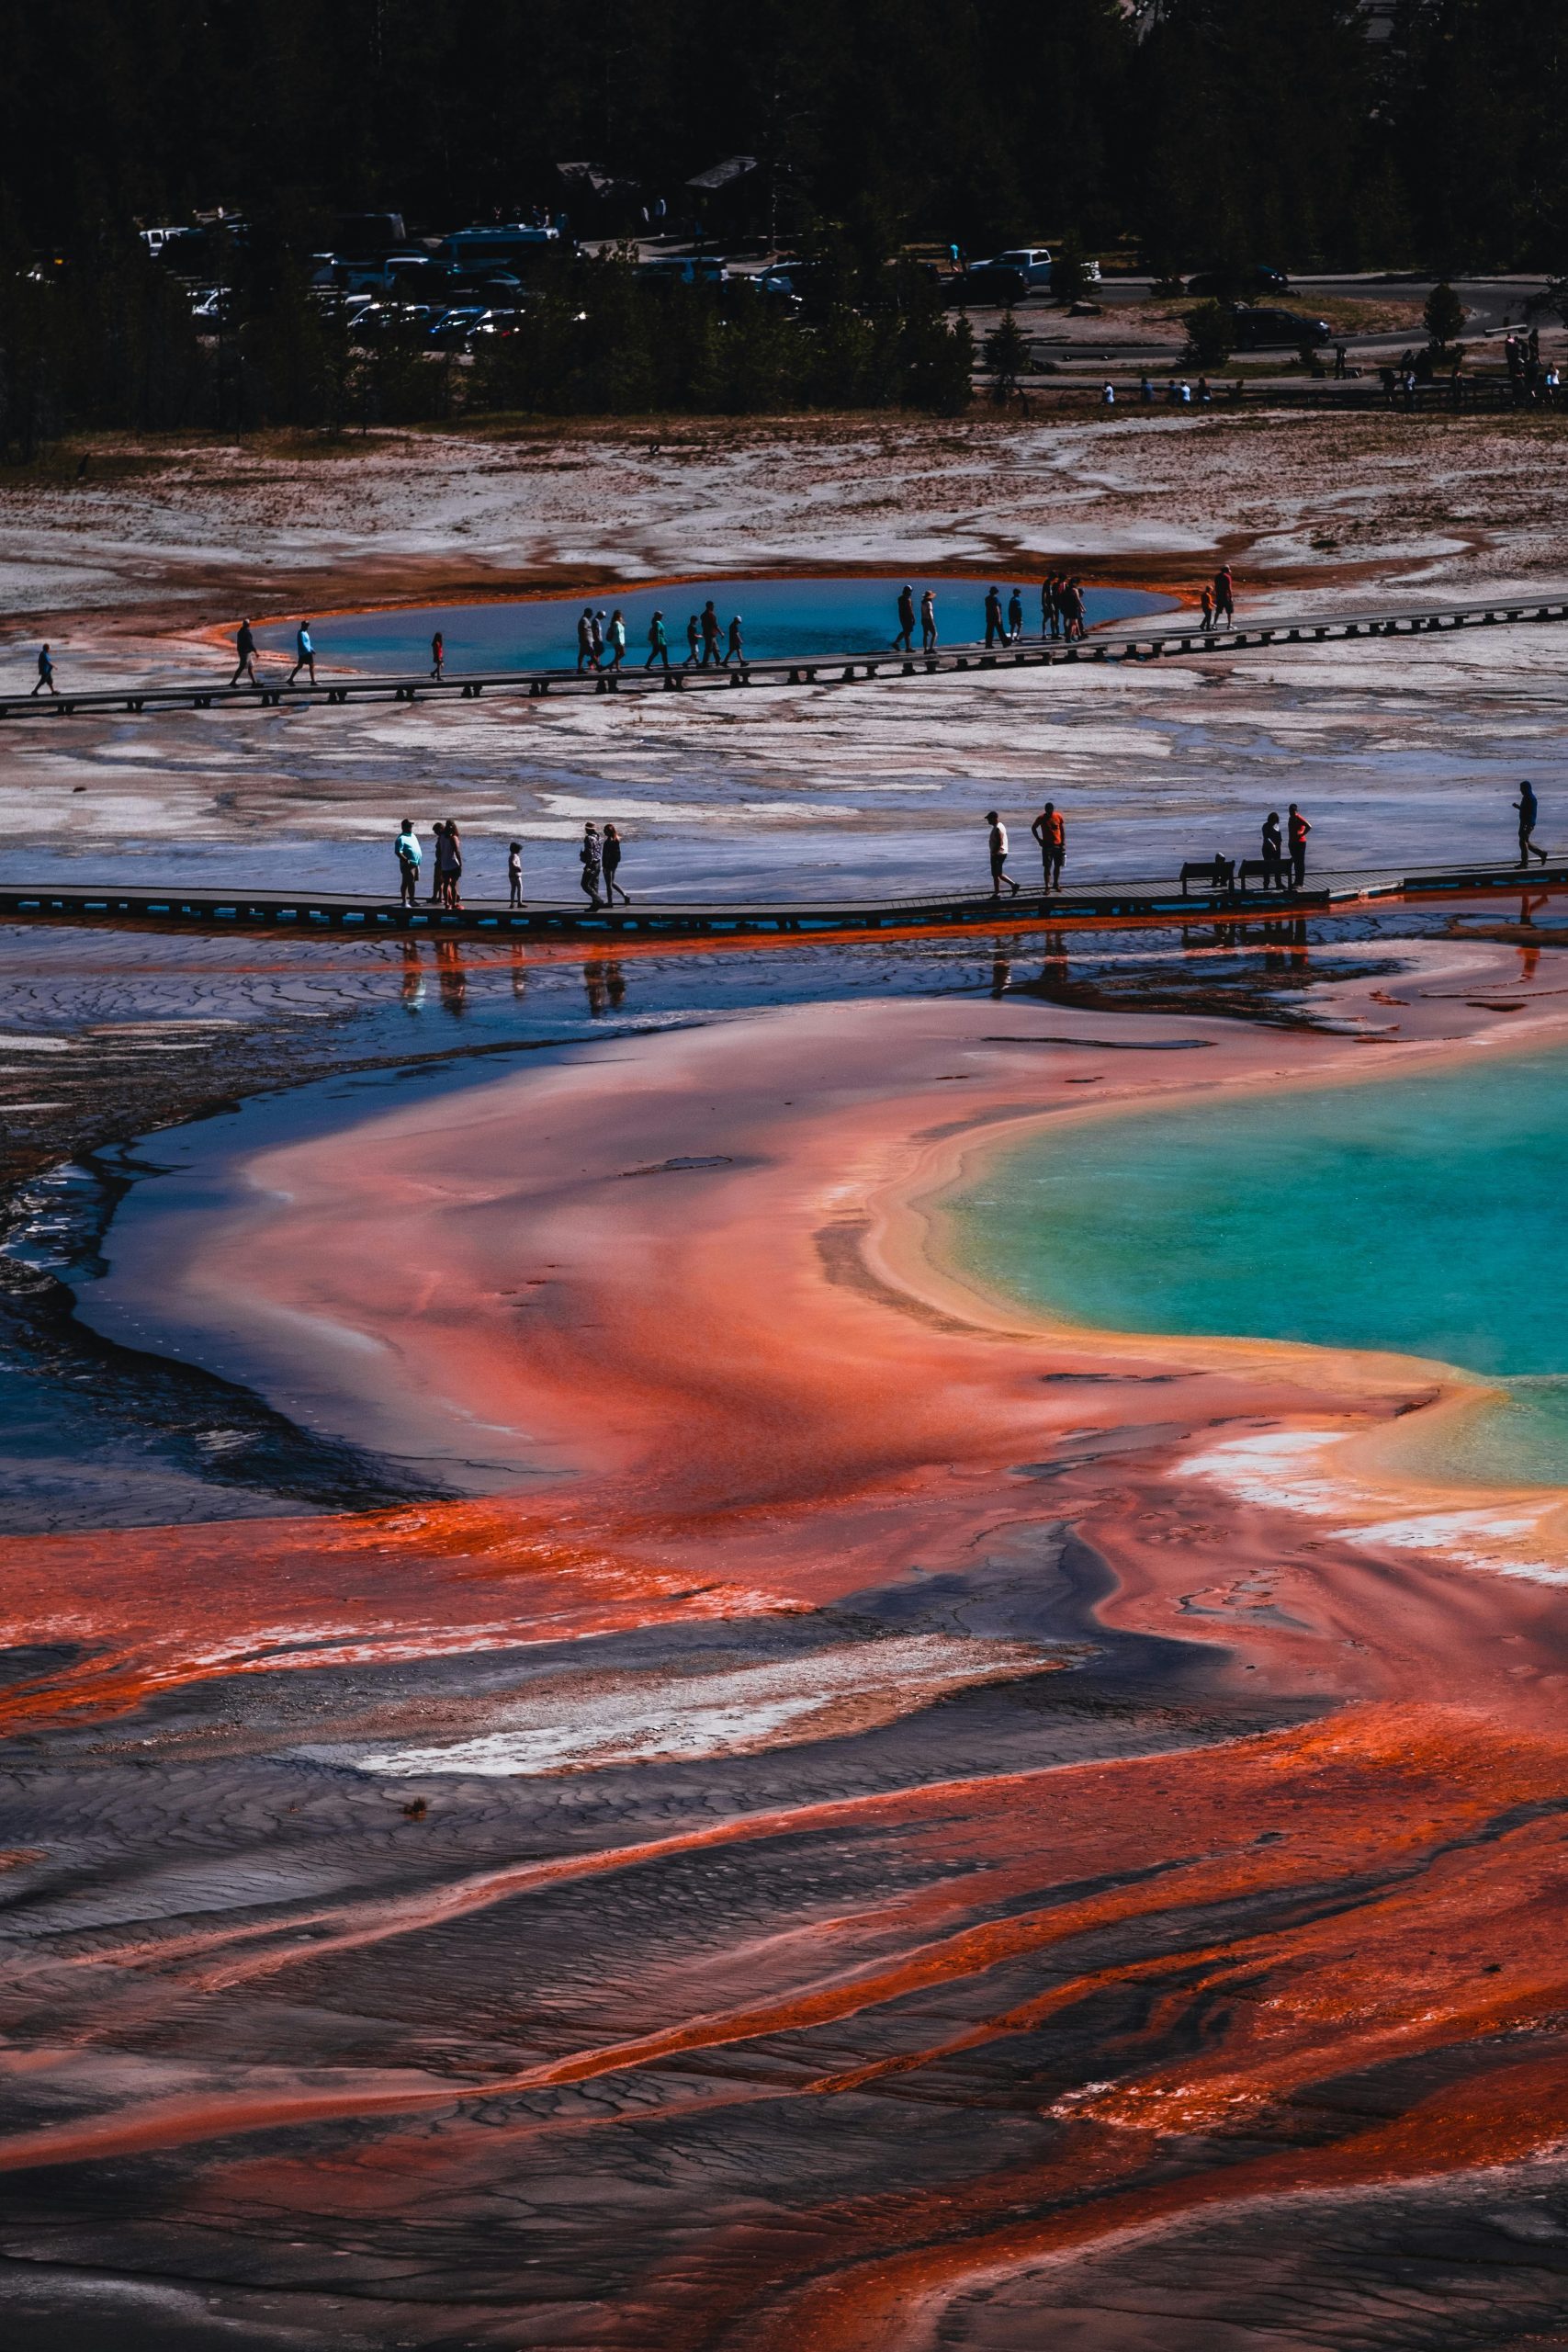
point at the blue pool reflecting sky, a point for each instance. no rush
(781, 617)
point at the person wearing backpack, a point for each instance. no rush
(590, 857)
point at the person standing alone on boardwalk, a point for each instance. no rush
(590, 858)
(304, 653)
(997, 843)
(245, 653)
(995, 626)
(611, 859)
(409, 859)
(437, 656)
(657, 643)
(1529, 807)
(1296, 832)
(928, 622)
(1051, 835)
(45, 673)
(1224, 594)
(905, 641)
(514, 874)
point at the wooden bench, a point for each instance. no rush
(1217, 873)
(1269, 877)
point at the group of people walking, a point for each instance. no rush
(1049, 830)
(445, 865)
(599, 856)
(1062, 611)
(710, 644)
(1218, 599)
(1284, 852)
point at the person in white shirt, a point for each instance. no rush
(998, 847)
(409, 856)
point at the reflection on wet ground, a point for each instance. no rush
(739, 1926)
(106, 1037)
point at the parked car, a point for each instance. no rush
(453, 329)
(1257, 329)
(1032, 263)
(688, 269)
(1245, 284)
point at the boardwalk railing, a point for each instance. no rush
(1177, 638)
(1156, 900)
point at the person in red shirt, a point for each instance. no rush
(1051, 835)
(1296, 832)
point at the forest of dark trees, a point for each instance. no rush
(1190, 132)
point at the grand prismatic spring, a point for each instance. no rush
(850, 1645)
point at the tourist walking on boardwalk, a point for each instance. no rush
(928, 622)
(694, 642)
(615, 639)
(409, 856)
(711, 653)
(734, 651)
(657, 643)
(610, 857)
(997, 843)
(1015, 617)
(245, 653)
(449, 866)
(1071, 595)
(995, 626)
(1206, 604)
(590, 857)
(1273, 852)
(1050, 610)
(1296, 832)
(1224, 594)
(514, 874)
(1529, 807)
(596, 637)
(437, 656)
(904, 639)
(45, 673)
(1051, 835)
(585, 639)
(304, 653)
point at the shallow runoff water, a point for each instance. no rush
(1425, 1214)
(779, 619)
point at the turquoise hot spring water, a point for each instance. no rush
(1427, 1214)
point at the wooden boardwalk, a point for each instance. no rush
(1175, 638)
(208, 909)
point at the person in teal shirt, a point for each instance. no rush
(657, 643)
(410, 858)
